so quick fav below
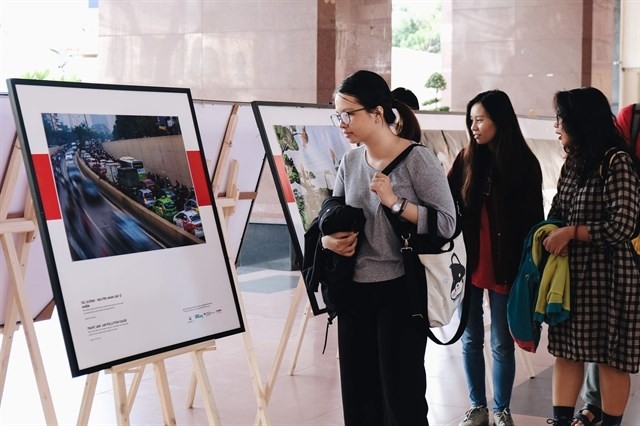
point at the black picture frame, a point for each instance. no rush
(303, 151)
(134, 282)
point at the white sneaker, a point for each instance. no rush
(503, 418)
(476, 416)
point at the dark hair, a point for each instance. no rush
(406, 96)
(371, 91)
(509, 153)
(591, 126)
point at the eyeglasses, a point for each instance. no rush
(344, 117)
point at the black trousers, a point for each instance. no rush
(381, 357)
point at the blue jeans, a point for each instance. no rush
(502, 351)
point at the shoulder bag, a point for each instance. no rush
(435, 268)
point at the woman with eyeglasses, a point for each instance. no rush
(600, 210)
(498, 181)
(381, 346)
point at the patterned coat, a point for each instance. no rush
(604, 326)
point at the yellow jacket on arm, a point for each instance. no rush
(553, 304)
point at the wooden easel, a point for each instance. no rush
(282, 345)
(226, 205)
(124, 399)
(199, 377)
(16, 254)
(227, 200)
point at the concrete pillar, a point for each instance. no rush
(529, 49)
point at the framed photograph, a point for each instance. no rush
(304, 151)
(132, 238)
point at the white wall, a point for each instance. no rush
(630, 52)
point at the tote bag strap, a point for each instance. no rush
(466, 300)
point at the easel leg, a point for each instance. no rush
(165, 395)
(20, 301)
(256, 380)
(261, 396)
(303, 326)
(133, 389)
(191, 391)
(87, 399)
(120, 399)
(193, 381)
(286, 334)
(10, 326)
(199, 375)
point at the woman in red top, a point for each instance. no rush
(498, 181)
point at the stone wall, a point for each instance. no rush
(164, 155)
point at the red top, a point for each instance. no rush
(624, 121)
(482, 276)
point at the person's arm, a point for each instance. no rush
(432, 189)
(621, 196)
(580, 233)
(342, 243)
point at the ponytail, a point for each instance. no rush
(407, 125)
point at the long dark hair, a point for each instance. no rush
(371, 91)
(509, 151)
(591, 126)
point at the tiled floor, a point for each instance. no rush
(311, 396)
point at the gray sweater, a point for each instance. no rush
(420, 179)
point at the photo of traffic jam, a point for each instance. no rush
(113, 203)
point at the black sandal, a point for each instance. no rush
(582, 418)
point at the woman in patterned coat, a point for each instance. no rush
(600, 214)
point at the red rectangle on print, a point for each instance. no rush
(284, 179)
(200, 181)
(46, 186)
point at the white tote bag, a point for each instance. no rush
(445, 278)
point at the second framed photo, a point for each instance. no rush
(304, 151)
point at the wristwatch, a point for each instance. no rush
(399, 206)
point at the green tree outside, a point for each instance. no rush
(417, 25)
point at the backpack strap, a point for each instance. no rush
(605, 165)
(609, 155)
